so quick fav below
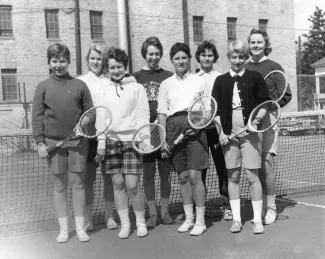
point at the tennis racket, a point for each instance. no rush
(92, 123)
(148, 138)
(200, 114)
(261, 119)
(277, 84)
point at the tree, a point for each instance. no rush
(314, 45)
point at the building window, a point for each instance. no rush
(9, 84)
(96, 25)
(198, 28)
(262, 24)
(231, 28)
(52, 23)
(5, 21)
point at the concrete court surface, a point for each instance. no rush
(298, 233)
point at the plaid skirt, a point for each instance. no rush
(122, 158)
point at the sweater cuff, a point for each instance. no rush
(39, 139)
(101, 144)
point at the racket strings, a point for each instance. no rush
(95, 121)
(268, 114)
(276, 85)
(149, 138)
(202, 112)
(88, 123)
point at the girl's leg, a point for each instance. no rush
(60, 183)
(78, 196)
(187, 197)
(137, 200)
(268, 181)
(109, 199)
(234, 198)
(121, 203)
(199, 195)
(90, 177)
(257, 202)
(149, 171)
(164, 173)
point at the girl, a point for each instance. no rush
(128, 103)
(95, 61)
(176, 94)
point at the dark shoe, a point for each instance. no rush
(166, 219)
(152, 221)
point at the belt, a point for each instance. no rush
(179, 113)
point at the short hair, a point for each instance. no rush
(268, 47)
(100, 50)
(178, 46)
(204, 46)
(58, 50)
(151, 41)
(119, 55)
(239, 47)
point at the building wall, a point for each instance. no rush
(26, 51)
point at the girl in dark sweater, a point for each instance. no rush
(58, 104)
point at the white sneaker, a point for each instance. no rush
(142, 231)
(89, 226)
(270, 217)
(111, 224)
(125, 231)
(63, 236)
(186, 226)
(82, 236)
(199, 229)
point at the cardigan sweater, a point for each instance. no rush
(252, 91)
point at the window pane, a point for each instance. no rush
(96, 25)
(9, 84)
(5, 21)
(198, 28)
(52, 23)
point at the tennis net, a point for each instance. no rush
(26, 199)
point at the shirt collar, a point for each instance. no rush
(261, 60)
(92, 74)
(188, 73)
(201, 72)
(232, 73)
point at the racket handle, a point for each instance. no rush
(52, 148)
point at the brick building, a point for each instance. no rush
(28, 27)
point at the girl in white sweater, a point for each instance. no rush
(128, 103)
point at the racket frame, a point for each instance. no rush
(77, 128)
(286, 84)
(163, 137)
(183, 135)
(249, 122)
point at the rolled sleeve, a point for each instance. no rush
(162, 99)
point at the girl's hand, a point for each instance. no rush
(42, 150)
(100, 155)
(165, 152)
(223, 138)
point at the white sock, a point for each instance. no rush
(140, 217)
(79, 223)
(200, 215)
(271, 202)
(124, 216)
(257, 209)
(188, 209)
(235, 208)
(63, 222)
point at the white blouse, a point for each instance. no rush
(177, 94)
